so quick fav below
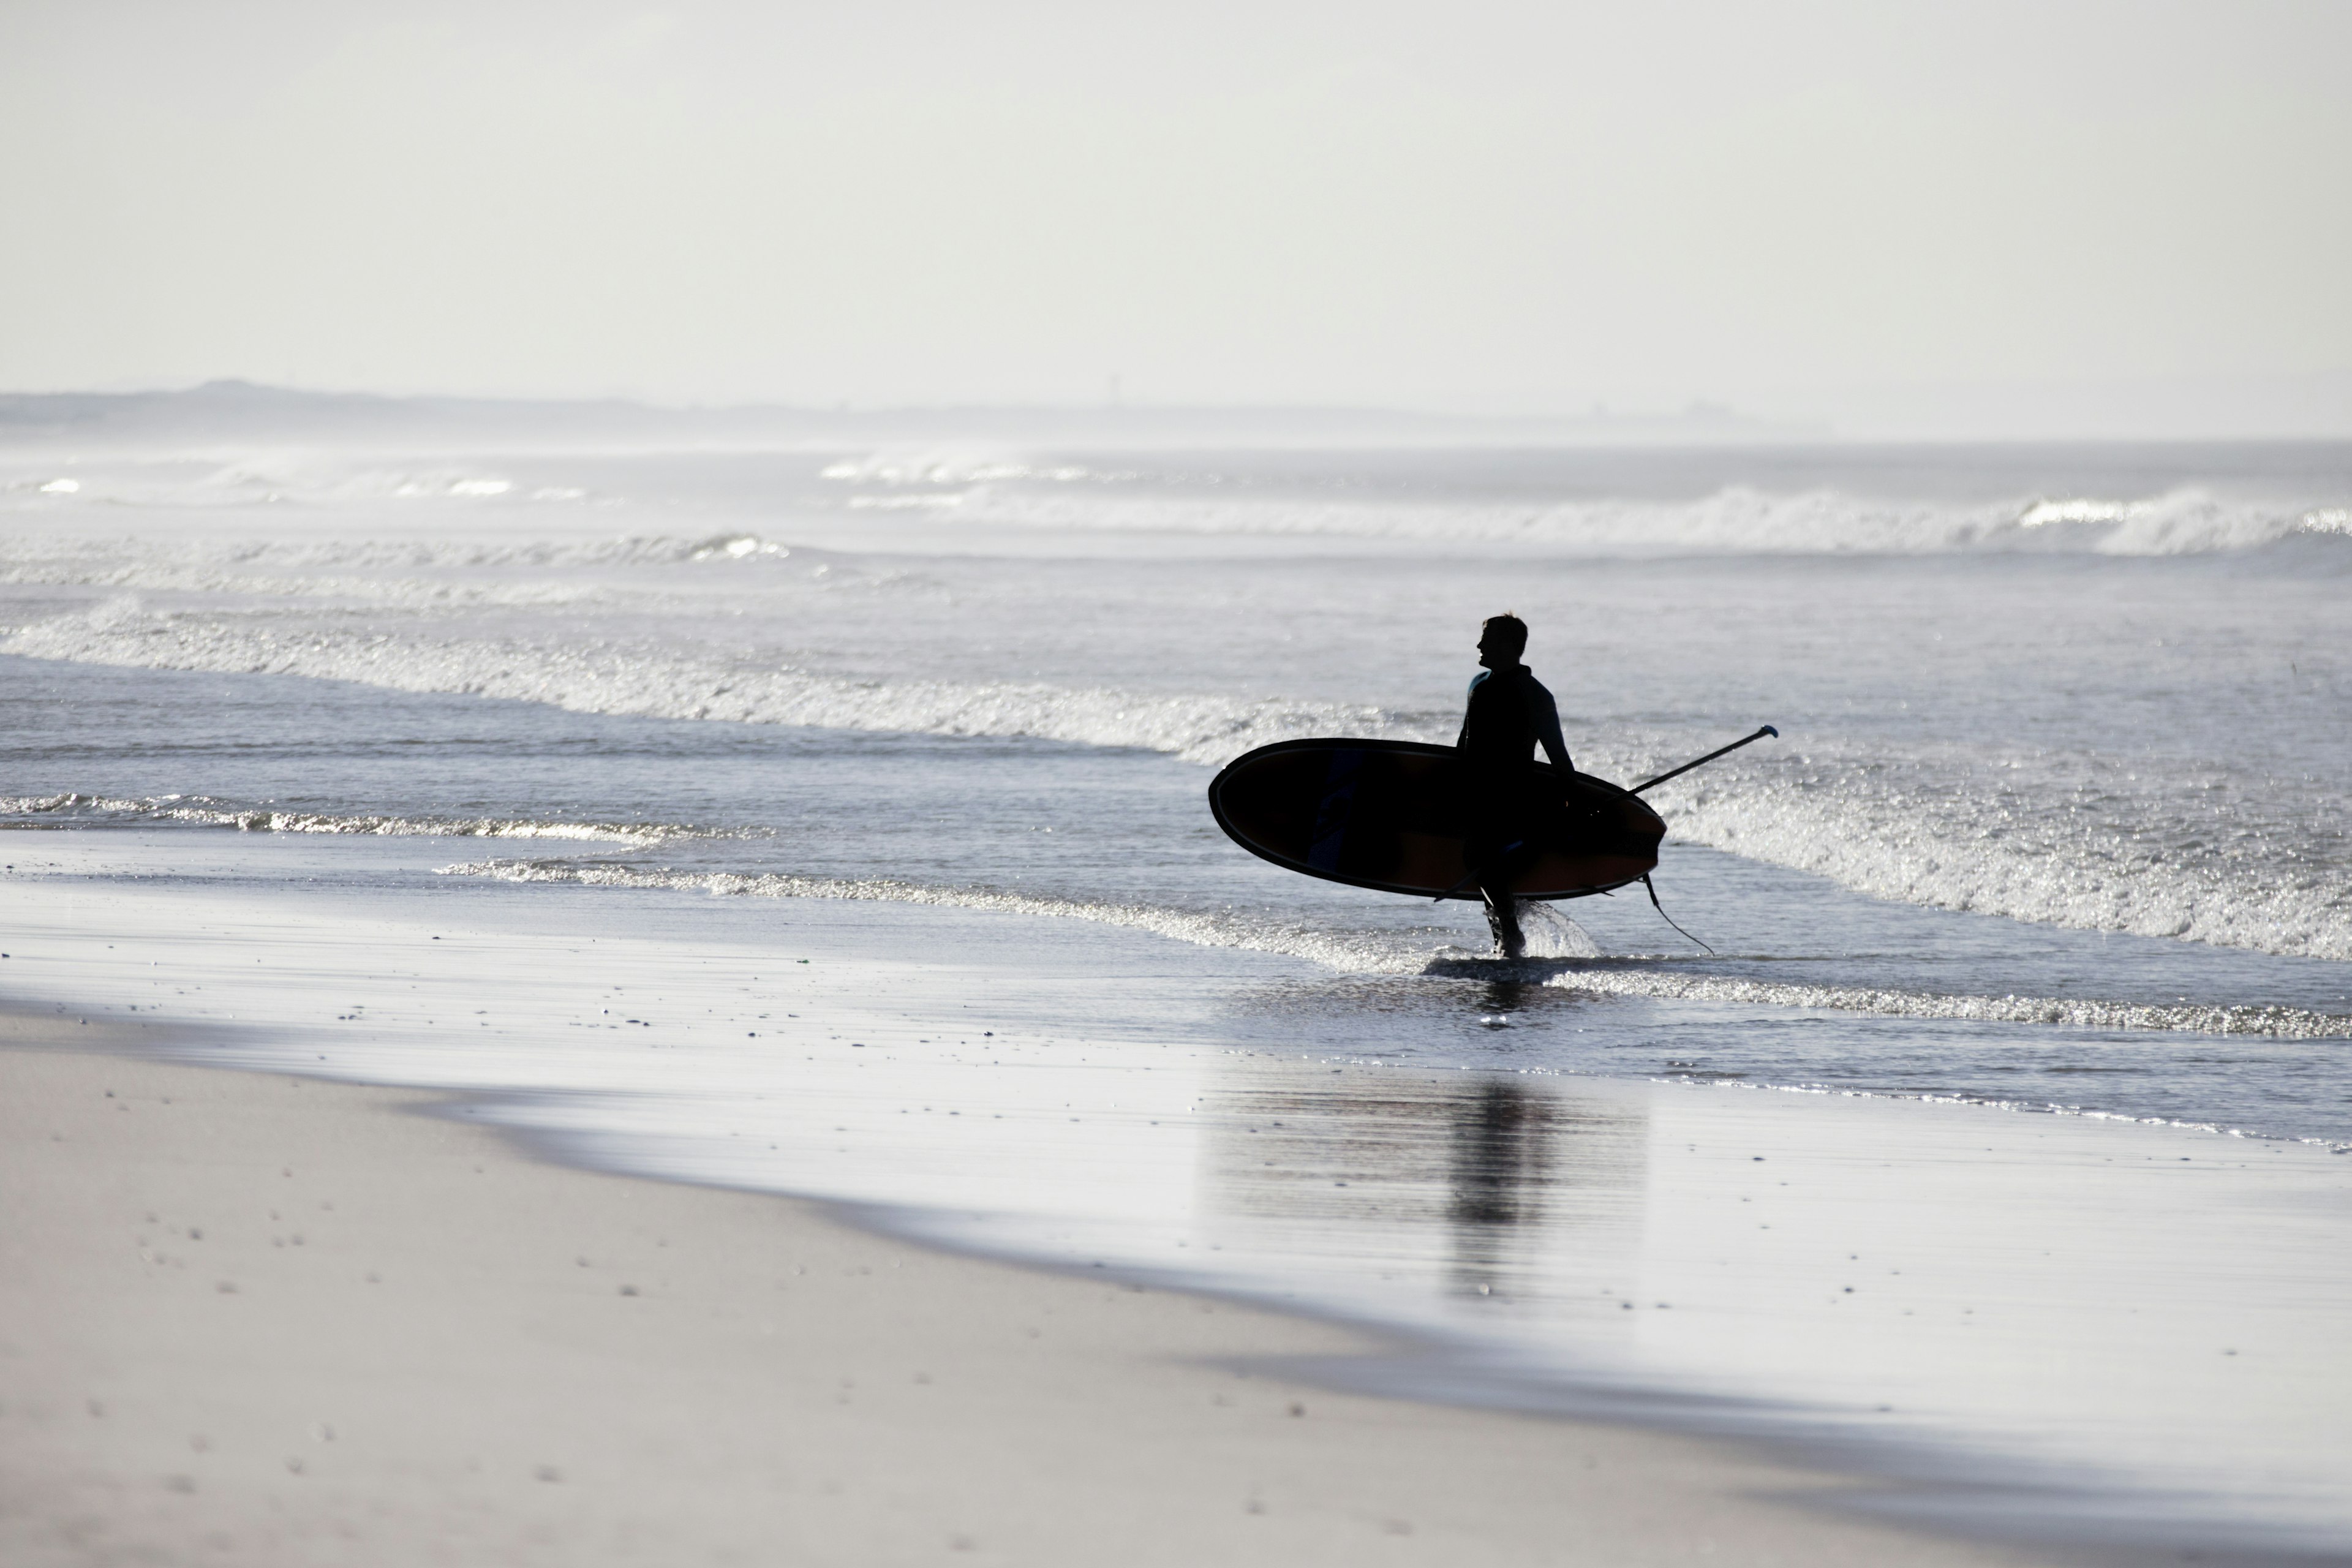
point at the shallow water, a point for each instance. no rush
(1958, 1298)
(2178, 1031)
(2055, 825)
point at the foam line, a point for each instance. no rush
(1363, 952)
(602, 679)
(258, 819)
(1357, 952)
(2275, 1023)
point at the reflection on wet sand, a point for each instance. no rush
(1511, 1185)
(1503, 1137)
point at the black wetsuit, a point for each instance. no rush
(1510, 713)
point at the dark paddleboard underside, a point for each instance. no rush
(1389, 814)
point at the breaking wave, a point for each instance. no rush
(1737, 520)
(2070, 853)
(2275, 1023)
(369, 571)
(203, 813)
(659, 684)
(2060, 850)
(989, 488)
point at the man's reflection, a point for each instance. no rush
(1504, 996)
(1493, 1181)
(1501, 1133)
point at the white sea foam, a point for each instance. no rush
(2059, 856)
(959, 465)
(635, 680)
(331, 565)
(268, 478)
(1375, 953)
(736, 547)
(1551, 934)
(269, 819)
(1357, 952)
(2056, 856)
(1737, 520)
(2275, 1023)
(2078, 509)
(985, 485)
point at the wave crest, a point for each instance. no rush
(204, 813)
(607, 680)
(1737, 520)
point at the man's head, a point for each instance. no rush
(1501, 640)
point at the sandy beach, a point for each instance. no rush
(764, 771)
(256, 1319)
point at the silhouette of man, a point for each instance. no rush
(1510, 713)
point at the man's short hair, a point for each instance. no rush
(1508, 630)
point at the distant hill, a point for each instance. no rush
(241, 411)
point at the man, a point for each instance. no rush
(1510, 713)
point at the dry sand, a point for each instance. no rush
(254, 1319)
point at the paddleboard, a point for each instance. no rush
(1387, 815)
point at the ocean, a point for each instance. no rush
(628, 774)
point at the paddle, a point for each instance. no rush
(1686, 767)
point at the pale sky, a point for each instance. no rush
(1506, 205)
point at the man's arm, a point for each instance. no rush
(1462, 739)
(1545, 714)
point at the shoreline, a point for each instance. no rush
(872, 1399)
(1986, 1384)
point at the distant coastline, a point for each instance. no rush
(224, 409)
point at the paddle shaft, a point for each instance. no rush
(1702, 762)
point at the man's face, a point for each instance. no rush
(1490, 651)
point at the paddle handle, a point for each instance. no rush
(1677, 772)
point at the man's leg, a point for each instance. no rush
(1500, 855)
(1498, 847)
(1503, 920)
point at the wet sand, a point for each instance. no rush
(254, 1319)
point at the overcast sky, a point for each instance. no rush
(1484, 204)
